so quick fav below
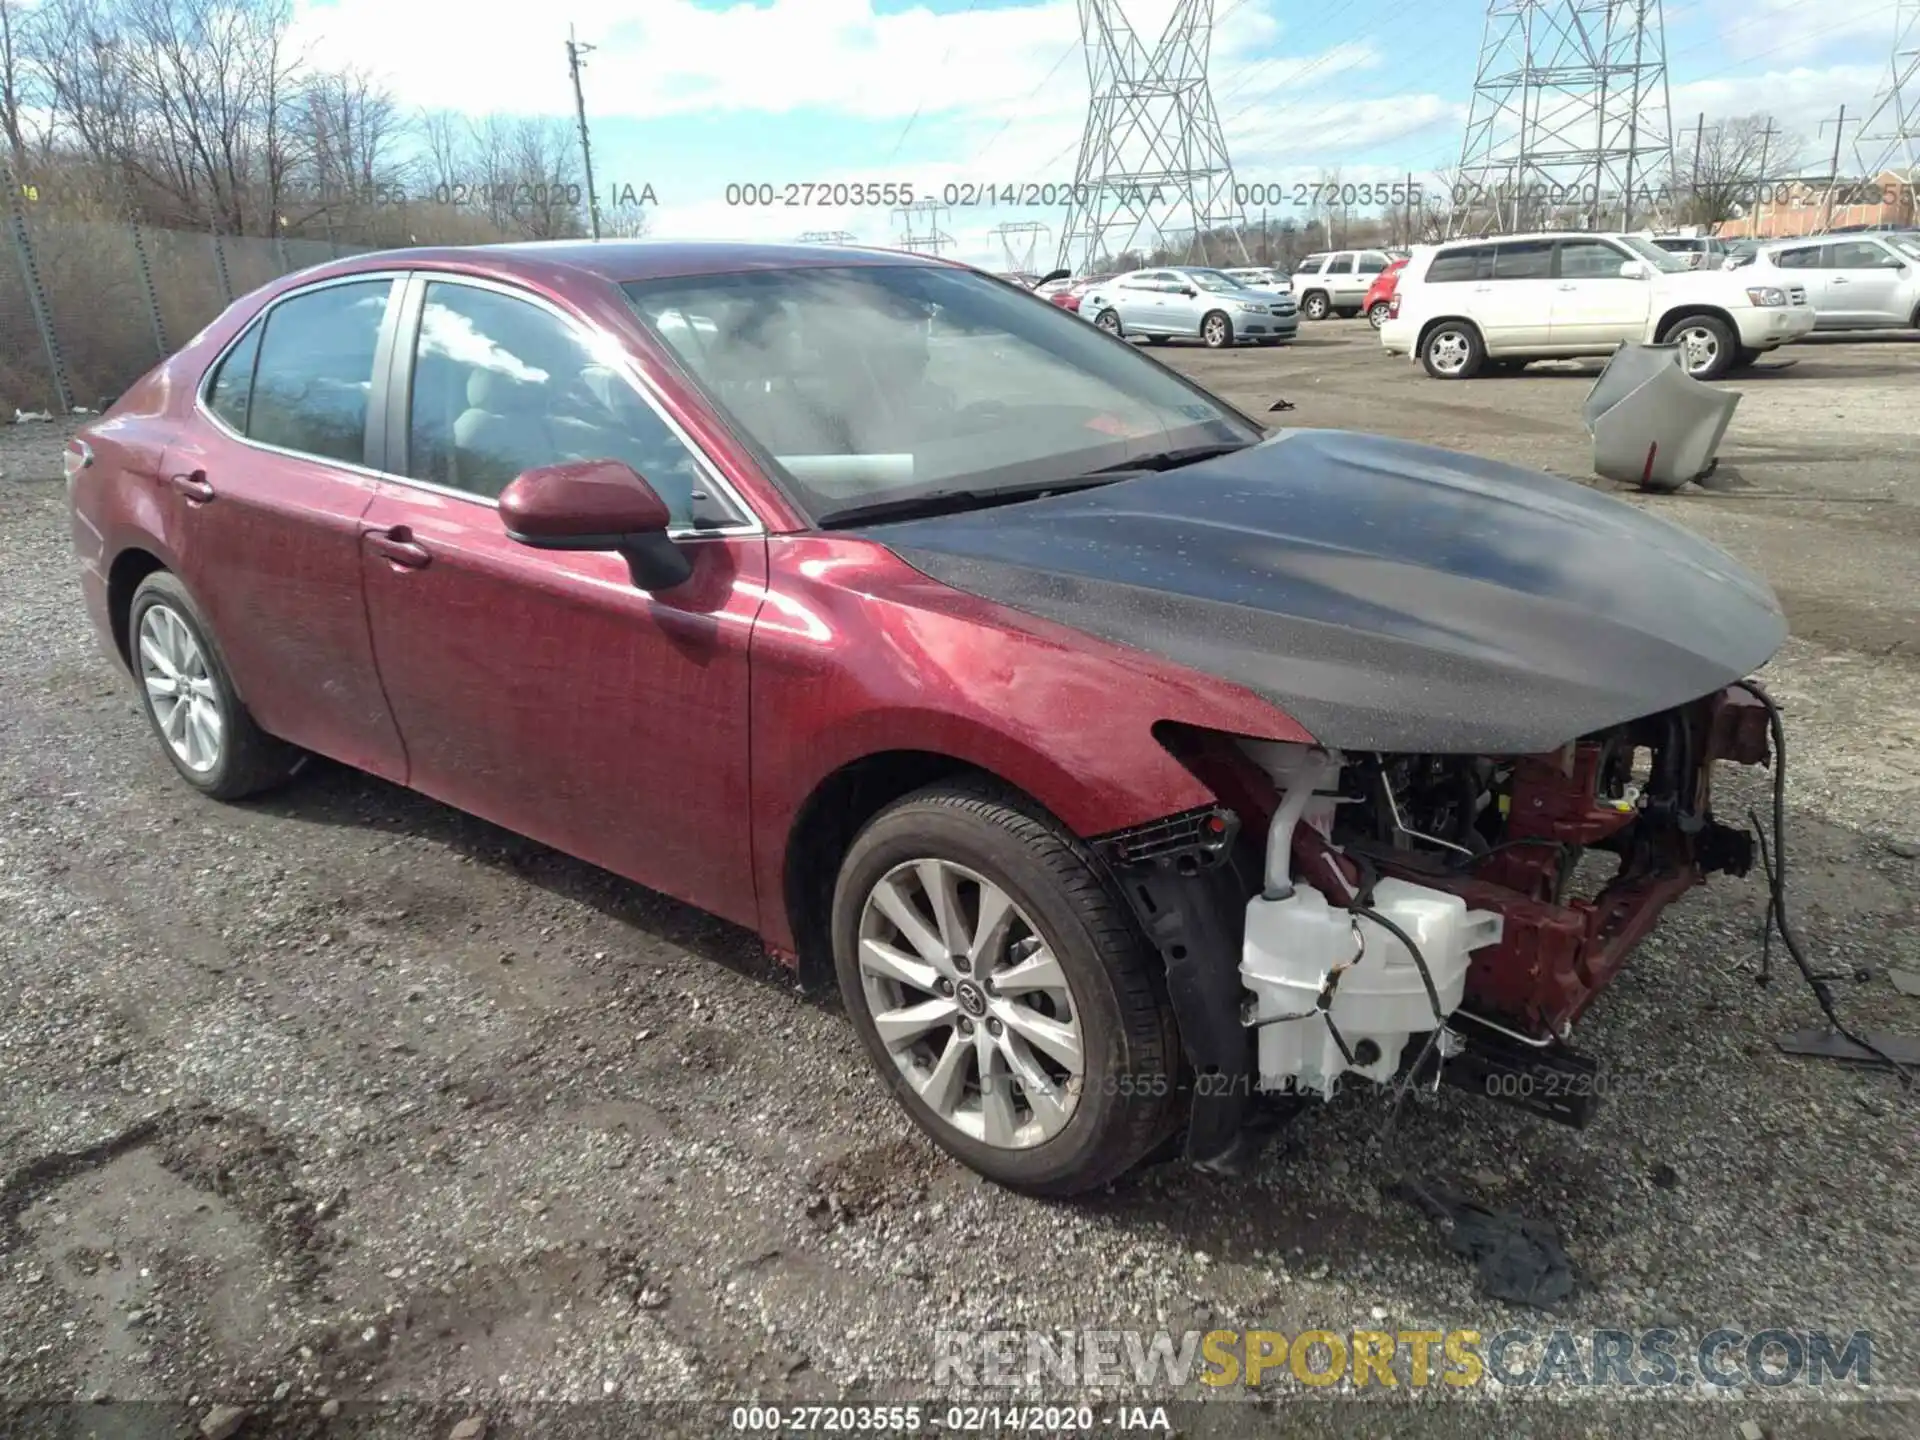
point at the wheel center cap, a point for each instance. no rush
(971, 999)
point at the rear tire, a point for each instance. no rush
(1122, 1102)
(190, 700)
(1378, 313)
(1453, 350)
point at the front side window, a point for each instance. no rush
(1861, 255)
(502, 385)
(1216, 281)
(314, 372)
(833, 373)
(1655, 257)
(1340, 265)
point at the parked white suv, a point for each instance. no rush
(1335, 282)
(1853, 282)
(1502, 302)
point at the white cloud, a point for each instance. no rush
(1797, 30)
(1799, 99)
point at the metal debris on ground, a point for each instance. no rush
(1519, 1260)
(1830, 1045)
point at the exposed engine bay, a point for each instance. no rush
(1405, 915)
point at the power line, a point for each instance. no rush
(1897, 106)
(574, 51)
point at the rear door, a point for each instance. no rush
(1369, 267)
(268, 490)
(1515, 308)
(1339, 279)
(1864, 279)
(1139, 302)
(1593, 305)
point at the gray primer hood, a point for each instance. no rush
(1388, 595)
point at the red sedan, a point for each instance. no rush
(956, 647)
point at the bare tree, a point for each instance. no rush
(14, 79)
(1734, 160)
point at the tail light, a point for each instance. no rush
(1393, 308)
(76, 457)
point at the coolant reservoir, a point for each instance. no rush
(1380, 1003)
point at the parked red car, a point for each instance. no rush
(954, 646)
(1069, 296)
(1379, 302)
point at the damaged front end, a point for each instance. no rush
(1404, 918)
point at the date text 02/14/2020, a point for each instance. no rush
(953, 195)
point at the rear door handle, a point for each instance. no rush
(194, 486)
(399, 546)
(1569, 286)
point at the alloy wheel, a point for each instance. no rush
(1378, 315)
(1448, 350)
(971, 1003)
(1699, 348)
(1215, 331)
(1316, 307)
(180, 689)
(1108, 321)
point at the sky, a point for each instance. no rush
(686, 98)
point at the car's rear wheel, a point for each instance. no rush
(1313, 305)
(1453, 351)
(1109, 321)
(190, 700)
(1707, 344)
(1216, 331)
(1002, 992)
(1377, 313)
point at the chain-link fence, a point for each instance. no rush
(88, 306)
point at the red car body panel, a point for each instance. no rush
(1384, 284)
(671, 740)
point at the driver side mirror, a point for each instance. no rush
(1633, 270)
(596, 505)
(1188, 291)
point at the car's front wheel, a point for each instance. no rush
(190, 699)
(1314, 305)
(1708, 347)
(1109, 321)
(1002, 992)
(1453, 350)
(1216, 331)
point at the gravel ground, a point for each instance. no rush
(344, 1096)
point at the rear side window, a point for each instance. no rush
(1469, 262)
(232, 384)
(1373, 263)
(1340, 265)
(1806, 257)
(1523, 260)
(314, 374)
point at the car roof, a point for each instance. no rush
(622, 261)
(1534, 235)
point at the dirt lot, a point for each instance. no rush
(345, 1096)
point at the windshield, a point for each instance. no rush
(1214, 280)
(877, 384)
(1908, 245)
(1655, 256)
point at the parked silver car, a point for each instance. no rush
(1190, 302)
(1853, 282)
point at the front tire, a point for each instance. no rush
(1002, 992)
(1453, 350)
(1708, 346)
(1314, 305)
(190, 700)
(1216, 331)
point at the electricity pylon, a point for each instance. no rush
(1153, 152)
(1890, 137)
(1569, 117)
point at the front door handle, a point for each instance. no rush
(1569, 286)
(194, 486)
(399, 546)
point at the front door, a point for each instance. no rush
(541, 689)
(1594, 306)
(265, 506)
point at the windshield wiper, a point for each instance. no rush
(949, 502)
(1174, 459)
